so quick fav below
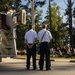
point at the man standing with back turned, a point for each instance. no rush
(30, 38)
(44, 37)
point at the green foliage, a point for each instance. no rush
(38, 16)
(74, 13)
(4, 4)
(20, 32)
(17, 5)
(73, 39)
(68, 10)
(57, 26)
(70, 13)
(40, 3)
(56, 18)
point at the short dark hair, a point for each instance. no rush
(30, 26)
(44, 26)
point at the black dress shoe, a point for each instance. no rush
(34, 68)
(41, 68)
(48, 68)
(27, 69)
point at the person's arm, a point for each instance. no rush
(33, 42)
(30, 46)
(27, 43)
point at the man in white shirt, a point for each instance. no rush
(44, 37)
(30, 39)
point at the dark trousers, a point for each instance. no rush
(44, 52)
(31, 52)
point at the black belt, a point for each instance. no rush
(44, 42)
(29, 43)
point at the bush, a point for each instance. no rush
(22, 53)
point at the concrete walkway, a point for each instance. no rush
(18, 67)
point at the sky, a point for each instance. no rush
(61, 3)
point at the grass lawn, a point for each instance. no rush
(24, 56)
(55, 57)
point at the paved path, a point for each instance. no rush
(17, 67)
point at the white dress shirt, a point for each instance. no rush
(30, 36)
(47, 37)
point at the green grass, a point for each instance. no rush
(24, 56)
(56, 57)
